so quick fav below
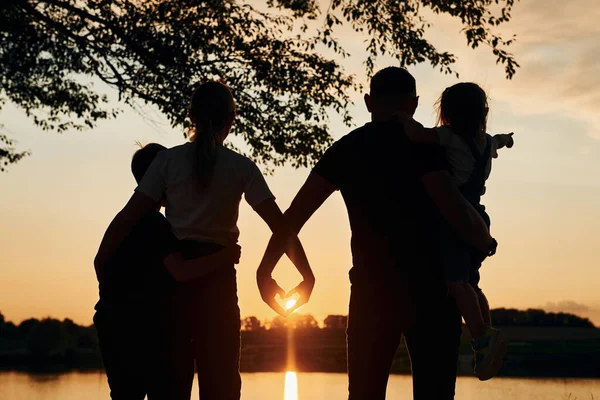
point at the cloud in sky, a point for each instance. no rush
(558, 48)
(567, 306)
(559, 53)
(572, 307)
(544, 22)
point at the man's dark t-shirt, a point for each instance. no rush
(135, 276)
(393, 220)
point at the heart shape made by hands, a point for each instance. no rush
(288, 302)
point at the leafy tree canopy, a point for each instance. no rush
(280, 58)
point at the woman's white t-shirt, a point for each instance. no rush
(204, 214)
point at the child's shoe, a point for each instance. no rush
(489, 354)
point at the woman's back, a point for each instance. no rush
(204, 213)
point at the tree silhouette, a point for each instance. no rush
(397, 27)
(534, 317)
(251, 324)
(154, 51)
(7, 329)
(26, 326)
(335, 322)
(52, 345)
(49, 335)
(278, 323)
(304, 322)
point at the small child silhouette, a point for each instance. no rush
(462, 120)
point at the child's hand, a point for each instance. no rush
(413, 129)
(503, 140)
(510, 142)
(408, 122)
(402, 116)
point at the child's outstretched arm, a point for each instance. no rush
(502, 140)
(184, 270)
(416, 132)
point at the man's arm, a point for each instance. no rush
(311, 196)
(459, 213)
(137, 206)
(288, 242)
(184, 270)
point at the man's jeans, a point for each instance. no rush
(380, 312)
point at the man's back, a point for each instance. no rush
(378, 172)
(397, 282)
(390, 187)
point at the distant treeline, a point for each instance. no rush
(500, 316)
(535, 317)
(539, 341)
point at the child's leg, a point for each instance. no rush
(122, 353)
(468, 304)
(484, 306)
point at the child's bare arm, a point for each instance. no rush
(416, 132)
(184, 270)
(503, 140)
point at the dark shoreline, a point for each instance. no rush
(61, 371)
(540, 345)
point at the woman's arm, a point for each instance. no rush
(272, 215)
(138, 205)
(311, 196)
(416, 132)
(184, 270)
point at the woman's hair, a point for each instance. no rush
(464, 108)
(211, 108)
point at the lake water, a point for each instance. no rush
(301, 386)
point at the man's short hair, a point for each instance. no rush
(143, 158)
(393, 84)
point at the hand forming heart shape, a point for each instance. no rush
(269, 289)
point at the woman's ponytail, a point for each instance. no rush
(205, 150)
(211, 108)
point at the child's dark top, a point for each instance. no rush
(136, 274)
(473, 189)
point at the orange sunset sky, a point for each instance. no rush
(543, 195)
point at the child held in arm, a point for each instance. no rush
(462, 119)
(132, 317)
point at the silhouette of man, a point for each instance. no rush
(396, 193)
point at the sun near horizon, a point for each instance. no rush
(289, 303)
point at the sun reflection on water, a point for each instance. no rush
(290, 391)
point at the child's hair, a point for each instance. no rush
(211, 106)
(142, 159)
(464, 108)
